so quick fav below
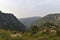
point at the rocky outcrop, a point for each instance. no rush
(9, 22)
(51, 18)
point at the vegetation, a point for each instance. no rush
(47, 31)
(9, 22)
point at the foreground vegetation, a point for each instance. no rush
(47, 31)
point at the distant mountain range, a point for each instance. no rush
(51, 18)
(29, 21)
(9, 22)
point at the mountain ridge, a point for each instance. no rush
(9, 22)
(29, 20)
(52, 18)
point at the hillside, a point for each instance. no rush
(47, 31)
(52, 18)
(9, 22)
(29, 21)
(46, 28)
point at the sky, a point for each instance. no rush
(29, 8)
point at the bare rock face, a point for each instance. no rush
(51, 18)
(10, 22)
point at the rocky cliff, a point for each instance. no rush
(51, 18)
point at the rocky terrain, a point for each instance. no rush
(51, 18)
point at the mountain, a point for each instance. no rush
(51, 18)
(9, 22)
(29, 21)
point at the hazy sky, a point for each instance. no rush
(28, 8)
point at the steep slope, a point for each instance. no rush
(10, 22)
(29, 21)
(52, 18)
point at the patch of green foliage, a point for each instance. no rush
(46, 32)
